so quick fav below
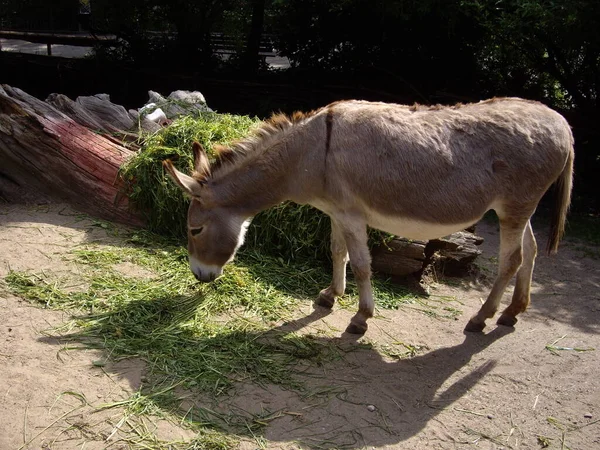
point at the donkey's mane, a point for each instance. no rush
(438, 107)
(259, 140)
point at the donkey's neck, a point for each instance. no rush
(256, 183)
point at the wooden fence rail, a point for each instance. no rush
(220, 42)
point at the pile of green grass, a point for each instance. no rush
(149, 187)
(289, 231)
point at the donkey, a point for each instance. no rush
(413, 171)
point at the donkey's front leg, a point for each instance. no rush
(339, 255)
(355, 235)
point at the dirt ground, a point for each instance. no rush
(500, 389)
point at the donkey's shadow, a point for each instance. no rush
(363, 399)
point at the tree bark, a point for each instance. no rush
(43, 149)
(452, 255)
(399, 257)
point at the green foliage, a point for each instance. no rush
(547, 48)
(38, 14)
(410, 39)
(175, 33)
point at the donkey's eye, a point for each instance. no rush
(196, 231)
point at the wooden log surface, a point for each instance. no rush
(399, 257)
(99, 114)
(42, 148)
(452, 255)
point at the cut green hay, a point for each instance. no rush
(566, 429)
(544, 441)
(399, 350)
(554, 349)
(136, 436)
(215, 331)
(481, 435)
(292, 232)
(148, 186)
(132, 423)
(35, 288)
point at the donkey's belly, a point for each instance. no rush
(413, 229)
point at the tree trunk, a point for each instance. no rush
(43, 149)
(452, 255)
(251, 58)
(399, 258)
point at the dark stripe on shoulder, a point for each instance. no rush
(329, 126)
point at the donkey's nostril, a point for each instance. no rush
(198, 275)
(213, 276)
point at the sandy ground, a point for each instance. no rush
(500, 389)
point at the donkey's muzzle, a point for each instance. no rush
(204, 272)
(205, 277)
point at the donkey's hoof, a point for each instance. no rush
(325, 299)
(357, 328)
(474, 327)
(507, 320)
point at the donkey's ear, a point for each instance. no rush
(201, 163)
(190, 186)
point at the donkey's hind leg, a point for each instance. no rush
(511, 257)
(521, 294)
(339, 255)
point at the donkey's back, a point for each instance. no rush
(443, 165)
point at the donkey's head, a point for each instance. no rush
(215, 232)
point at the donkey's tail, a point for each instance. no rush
(562, 200)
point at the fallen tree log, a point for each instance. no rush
(399, 257)
(452, 255)
(45, 150)
(99, 114)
